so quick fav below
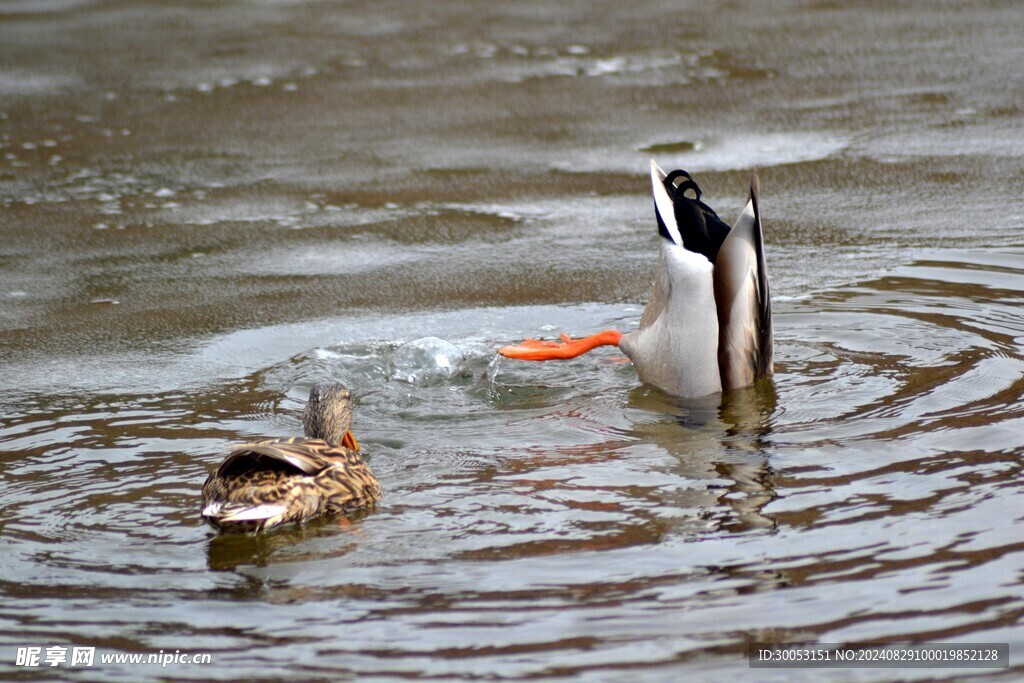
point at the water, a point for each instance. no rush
(205, 211)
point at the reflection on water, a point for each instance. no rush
(209, 208)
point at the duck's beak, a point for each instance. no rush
(535, 349)
(349, 441)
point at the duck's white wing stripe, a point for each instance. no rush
(212, 510)
(663, 204)
(235, 513)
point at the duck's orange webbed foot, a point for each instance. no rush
(536, 349)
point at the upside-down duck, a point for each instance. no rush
(708, 324)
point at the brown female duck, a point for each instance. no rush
(276, 481)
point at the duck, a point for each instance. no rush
(270, 482)
(707, 327)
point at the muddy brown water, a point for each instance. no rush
(206, 208)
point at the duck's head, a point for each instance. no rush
(328, 415)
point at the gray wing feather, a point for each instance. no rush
(659, 294)
(766, 330)
(293, 453)
(743, 300)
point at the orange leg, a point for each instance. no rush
(534, 349)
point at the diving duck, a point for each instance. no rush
(708, 324)
(276, 481)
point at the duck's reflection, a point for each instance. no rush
(228, 551)
(735, 427)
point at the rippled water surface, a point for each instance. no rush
(208, 208)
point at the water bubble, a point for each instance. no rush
(428, 360)
(261, 82)
(492, 368)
